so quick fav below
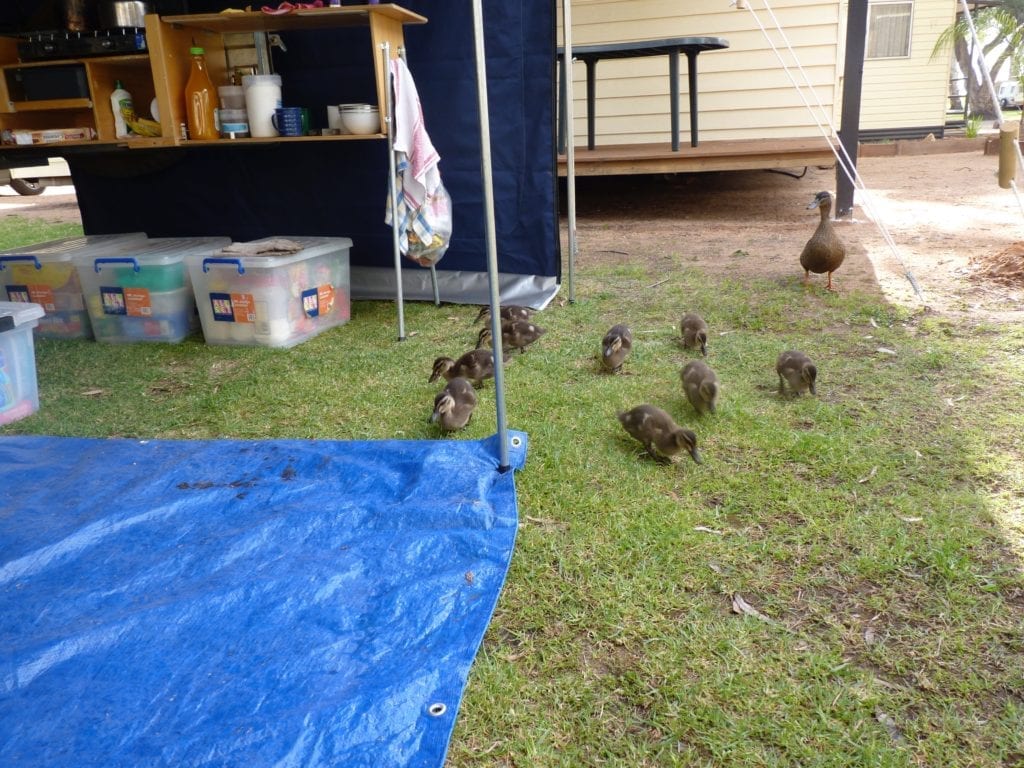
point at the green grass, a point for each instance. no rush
(877, 526)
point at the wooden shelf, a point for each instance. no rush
(302, 18)
(50, 105)
(283, 139)
(137, 59)
(162, 73)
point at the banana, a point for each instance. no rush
(141, 126)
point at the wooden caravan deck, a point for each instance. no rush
(733, 155)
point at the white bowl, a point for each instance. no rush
(360, 121)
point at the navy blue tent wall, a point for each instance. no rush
(340, 188)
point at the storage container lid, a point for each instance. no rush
(22, 311)
(156, 251)
(69, 247)
(248, 256)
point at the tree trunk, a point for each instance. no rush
(979, 98)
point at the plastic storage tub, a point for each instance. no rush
(45, 274)
(272, 299)
(19, 388)
(143, 292)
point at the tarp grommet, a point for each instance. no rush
(437, 709)
(516, 441)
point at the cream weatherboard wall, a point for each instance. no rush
(745, 91)
(910, 91)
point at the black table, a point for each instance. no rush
(671, 47)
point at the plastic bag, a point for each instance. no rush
(430, 230)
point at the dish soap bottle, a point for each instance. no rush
(200, 99)
(123, 109)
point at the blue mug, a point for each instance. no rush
(287, 121)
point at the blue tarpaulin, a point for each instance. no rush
(247, 603)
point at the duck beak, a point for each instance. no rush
(813, 204)
(696, 455)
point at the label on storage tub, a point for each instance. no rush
(233, 307)
(133, 302)
(37, 294)
(318, 301)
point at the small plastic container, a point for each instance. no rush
(143, 292)
(273, 299)
(231, 96)
(45, 274)
(19, 387)
(262, 97)
(234, 124)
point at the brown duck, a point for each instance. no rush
(701, 386)
(824, 252)
(660, 435)
(796, 369)
(695, 332)
(515, 334)
(476, 365)
(615, 347)
(506, 312)
(453, 405)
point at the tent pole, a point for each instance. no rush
(570, 145)
(492, 253)
(385, 51)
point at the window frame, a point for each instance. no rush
(871, 25)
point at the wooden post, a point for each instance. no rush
(853, 77)
(1008, 133)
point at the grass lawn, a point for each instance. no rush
(875, 530)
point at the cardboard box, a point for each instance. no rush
(48, 136)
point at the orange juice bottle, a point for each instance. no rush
(200, 99)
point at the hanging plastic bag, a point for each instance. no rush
(425, 232)
(431, 229)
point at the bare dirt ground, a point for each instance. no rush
(941, 218)
(58, 204)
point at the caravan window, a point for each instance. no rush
(889, 30)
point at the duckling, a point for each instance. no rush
(797, 369)
(824, 252)
(515, 334)
(453, 406)
(701, 386)
(506, 312)
(476, 365)
(695, 332)
(615, 347)
(660, 435)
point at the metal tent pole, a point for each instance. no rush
(492, 253)
(570, 145)
(389, 118)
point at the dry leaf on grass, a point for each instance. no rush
(93, 392)
(741, 606)
(705, 529)
(890, 725)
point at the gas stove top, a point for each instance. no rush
(40, 46)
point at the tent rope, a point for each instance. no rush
(842, 156)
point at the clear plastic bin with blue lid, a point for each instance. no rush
(272, 292)
(142, 292)
(45, 274)
(19, 387)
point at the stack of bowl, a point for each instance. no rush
(360, 119)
